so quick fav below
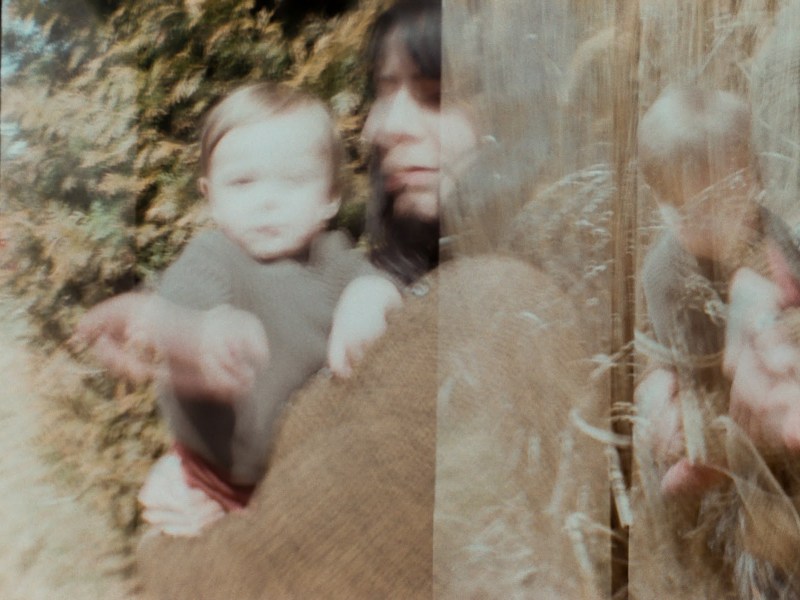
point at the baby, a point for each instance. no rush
(252, 307)
(695, 155)
(694, 149)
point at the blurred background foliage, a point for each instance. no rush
(102, 102)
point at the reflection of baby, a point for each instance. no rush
(243, 317)
(695, 154)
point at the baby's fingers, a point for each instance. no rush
(355, 353)
(684, 478)
(254, 346)
(776, 354)
(338, 359)
(122, 360)
(229, 375)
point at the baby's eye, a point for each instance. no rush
(297, 177)
(241, 181)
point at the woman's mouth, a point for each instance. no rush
(412, 177)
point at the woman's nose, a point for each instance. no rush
(398, 119)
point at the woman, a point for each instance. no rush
(347, 507)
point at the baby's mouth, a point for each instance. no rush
(268, 230)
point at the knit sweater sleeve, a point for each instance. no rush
(680, 304)
(344, 263)
(201, 277)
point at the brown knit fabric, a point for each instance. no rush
(347, 507)
(522, 500)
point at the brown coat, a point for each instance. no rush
(347, 507)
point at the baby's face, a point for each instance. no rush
(269, 183)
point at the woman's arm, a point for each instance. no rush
(120, 335)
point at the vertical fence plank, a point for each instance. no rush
(625, 119)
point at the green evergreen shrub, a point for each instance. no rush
(100, 195)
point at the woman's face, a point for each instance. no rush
(415, 137)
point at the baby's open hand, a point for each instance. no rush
(359, 320)
(118, 333)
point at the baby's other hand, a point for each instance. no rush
(233, 347)
(117, 333)
(359, 320)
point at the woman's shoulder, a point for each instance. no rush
(498, 283)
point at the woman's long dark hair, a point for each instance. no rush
(404, 246)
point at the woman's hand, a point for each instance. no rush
(359, 320)
(170, 505)
(763, 365)
(764, 369)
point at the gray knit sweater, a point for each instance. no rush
(684, 296)
(295, 301)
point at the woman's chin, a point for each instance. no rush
(422, 205)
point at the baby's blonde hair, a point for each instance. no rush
(257, 102)
(690, 139)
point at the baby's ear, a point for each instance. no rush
(202, 186)
(330, 210)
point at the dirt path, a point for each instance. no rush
(53, 546)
